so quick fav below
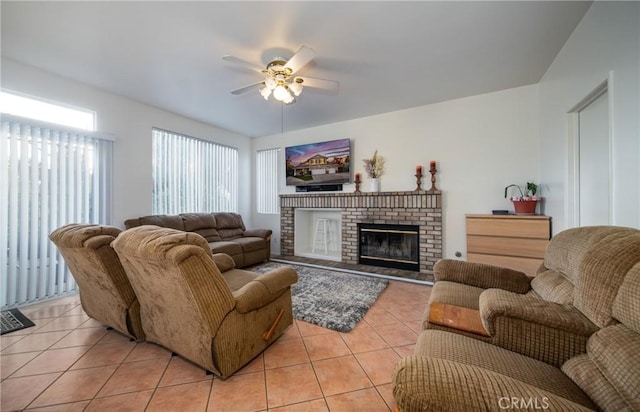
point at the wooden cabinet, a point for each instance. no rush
(513, 241)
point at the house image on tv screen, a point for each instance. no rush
(318, 163)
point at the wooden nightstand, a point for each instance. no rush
(513, 241)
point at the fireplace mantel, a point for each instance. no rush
(423, 208)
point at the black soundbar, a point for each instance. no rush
(319, 188)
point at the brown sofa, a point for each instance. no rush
(105, 292)
(571, 342)
(549, 317)
(225, 233)
(218, 321)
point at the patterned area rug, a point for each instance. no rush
(333, 300)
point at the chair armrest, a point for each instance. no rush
(224, 262)
(527, 324)
(481, 275)
(264, 289)
(263, 233)
(421, 383)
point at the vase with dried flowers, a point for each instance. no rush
(374, 168)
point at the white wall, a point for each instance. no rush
(481, 143)
(131, 122)
(606, 40)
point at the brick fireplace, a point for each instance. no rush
(422, 209)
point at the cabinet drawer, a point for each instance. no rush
(513, 227)
(508, 246)
(526, 265)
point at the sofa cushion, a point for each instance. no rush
(203, 224)
(602, 272)
(170, 221)
(230, 248)
(251, 244)
(229, 221)
(553, 286)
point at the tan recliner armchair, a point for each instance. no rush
(105, 292)
(187, 306)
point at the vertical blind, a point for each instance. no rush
(193, 175)
(50, 176)
(267, 181)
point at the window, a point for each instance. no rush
(193, 175)
(48, 112)
(50, 176)
(267, 181)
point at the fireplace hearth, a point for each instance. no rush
(394, 246)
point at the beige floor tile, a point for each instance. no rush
(64, 323)
(36, 342)
(186, 397)
(53, 360)
(316, 405)
(81, 337)
(92, 323)
(379, 316)
(339, 375)
(404, 351)
(309, 329)
(181, 371)
(145, 351)
(378, 364)
(292, 384)
(327, 345)
(407, 312)
(73, 386)
(244, 392)
(356, 401)
(66, 407)
(8, 340)
(13, 362)
(285, 353)
(107, 354)
(135, 376)
(19, 392)
(257, 364)
(396, 334)
(364, 339)
(128, 402)
(291, 333)
(386, 391)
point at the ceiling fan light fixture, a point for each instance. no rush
(281, 92)
(265, 92)
(296, 88)
(270, 82)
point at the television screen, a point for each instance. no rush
(321, 163)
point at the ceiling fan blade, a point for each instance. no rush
(235, 60)
(246, 88)
(319, 83)
(303, 56)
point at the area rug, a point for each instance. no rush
(13, 320)
(331, 299)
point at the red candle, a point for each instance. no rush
(432, 165)
(418, 170)
(357, 177)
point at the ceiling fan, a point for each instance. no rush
(279, 76)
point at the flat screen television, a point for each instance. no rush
(323, 163)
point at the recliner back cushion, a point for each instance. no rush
(626, 307)
(602, 272)
(203, 224)
(567, 249)
(229, 225)
(170, 221)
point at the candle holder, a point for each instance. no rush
(357, 183)
(433, 171)
(418, 182)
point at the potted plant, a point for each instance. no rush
(526, 203)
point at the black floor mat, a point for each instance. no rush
(13, 320)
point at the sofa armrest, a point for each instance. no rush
(527, 324)
(224, 262)
(481, 275)
(263, 233)
(421, 383)
(264, 289)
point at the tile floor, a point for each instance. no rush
(69, 362)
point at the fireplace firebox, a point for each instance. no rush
(394, 246)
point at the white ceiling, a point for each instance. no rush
(387, 56)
